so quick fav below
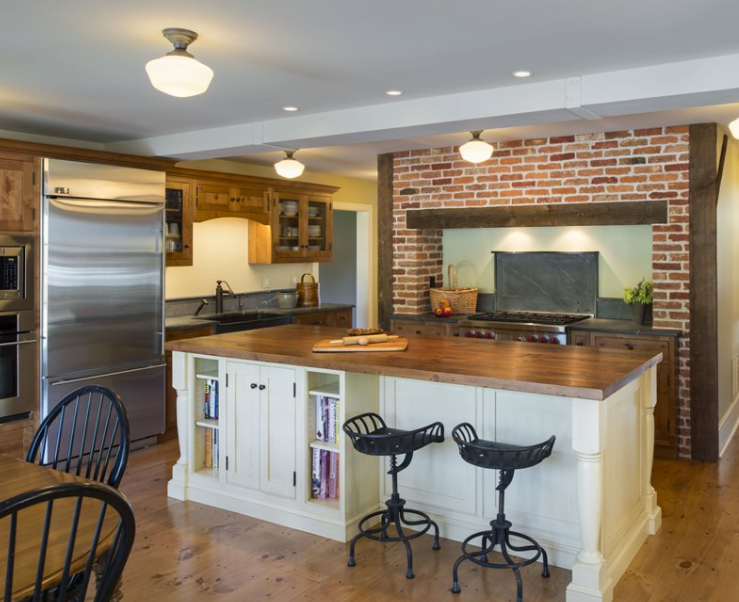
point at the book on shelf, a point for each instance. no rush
(210, 448)
(325, 475)
(210, 400)
(315, 489)
(328, 419)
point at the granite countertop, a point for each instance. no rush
(567, 370)
(622, 327)
(185, 322)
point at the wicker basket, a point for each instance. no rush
(308, 294)
(461, 300)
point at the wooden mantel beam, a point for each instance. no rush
(617, 213)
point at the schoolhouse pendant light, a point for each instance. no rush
(734, 128)
(289, 167)
(178, 73)
(476, 150)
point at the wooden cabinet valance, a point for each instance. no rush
(205, 195)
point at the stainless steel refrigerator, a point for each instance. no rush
(102, 319)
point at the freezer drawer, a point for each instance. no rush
(141, 389)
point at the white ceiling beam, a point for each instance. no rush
(677, 85)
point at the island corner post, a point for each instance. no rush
(591, 505)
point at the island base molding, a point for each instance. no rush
(590, 505)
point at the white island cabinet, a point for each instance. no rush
(591, 504)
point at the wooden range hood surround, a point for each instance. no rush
(619, 213)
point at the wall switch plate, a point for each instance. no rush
(265, 282)
(296, 278)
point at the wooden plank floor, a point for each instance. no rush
(186, 551)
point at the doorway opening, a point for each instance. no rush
(348, 278)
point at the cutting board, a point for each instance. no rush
(325, 346)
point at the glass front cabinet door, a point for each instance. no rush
(301, 227)
(178, 223)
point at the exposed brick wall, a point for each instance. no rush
(635, 165)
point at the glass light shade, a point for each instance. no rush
(180, 76)
(734, 128)
(476, 151)
(289, 168)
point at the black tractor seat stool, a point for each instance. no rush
(506, 459)
(370, 435)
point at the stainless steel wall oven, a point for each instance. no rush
(18, 340)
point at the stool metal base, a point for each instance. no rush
(395, 515)
(500, 535)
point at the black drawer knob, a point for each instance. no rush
(262, 387)
(254, 385)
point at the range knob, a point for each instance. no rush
(543, 338)
(488, 335)
(532, 338)
(522, 338)
(479, 334)
(554, 340)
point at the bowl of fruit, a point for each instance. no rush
(444, 310)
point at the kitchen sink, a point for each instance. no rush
(248, 320)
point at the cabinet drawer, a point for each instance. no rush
(316, 319)
(409, 329)
(581, 339)
(630, 344)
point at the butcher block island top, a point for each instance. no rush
(565, 371)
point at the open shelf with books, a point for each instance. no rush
(325, 417)
(206, 404)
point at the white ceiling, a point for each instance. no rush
(76, 69)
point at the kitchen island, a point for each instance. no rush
(591, 505)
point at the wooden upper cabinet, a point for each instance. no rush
(219, 198)
(212, 196)
(251, 199)
(300, 230)
(19, 192)
(179, 217)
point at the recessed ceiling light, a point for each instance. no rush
(394, 92)
(290, 109)
(522, 73)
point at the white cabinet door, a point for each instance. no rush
(243, 425)
(278, 431)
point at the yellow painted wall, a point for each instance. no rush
(220, 245)
(727, 246)
(625, 252)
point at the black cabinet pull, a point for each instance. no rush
(629, 346)
(254, 385)
(418, 332)
(262, 387)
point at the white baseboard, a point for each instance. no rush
(727, 426)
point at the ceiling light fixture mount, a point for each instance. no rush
(290, 109)
(394, 93)
(178, 73)
(523, 73)
(289, 167)
(476, 150)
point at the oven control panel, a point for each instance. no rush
(548, 338)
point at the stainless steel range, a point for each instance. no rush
(528, 327)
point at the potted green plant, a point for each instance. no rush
(639, 299)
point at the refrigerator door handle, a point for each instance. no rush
(76, 380)
(26, 342)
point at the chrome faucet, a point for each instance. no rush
(219, 294)
(203, 303)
